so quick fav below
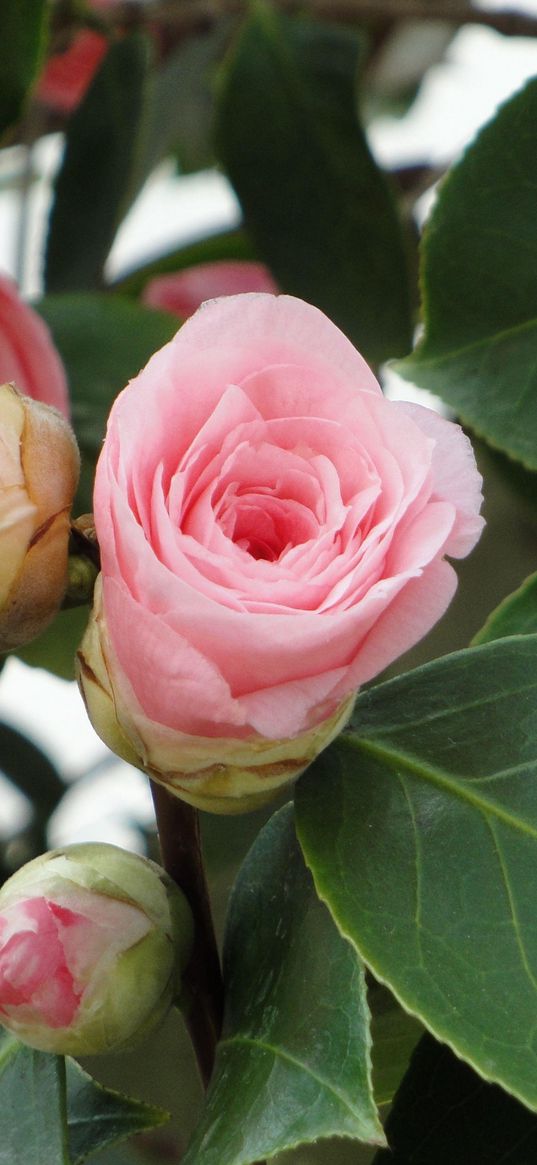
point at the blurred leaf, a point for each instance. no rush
(98, 1117)
(320, 211)
(420, 829)
(30, 770)
(227, 245)
(33, 1126)
(23, 26)
(479, 351)
(180, 104)
(104, 341)
(395, 1034)
(517, 615)
(293, 1063)
(56, 648)
(93, 185)
(445, 1114)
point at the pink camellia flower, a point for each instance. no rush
(67, 75)
(92, 944)
(27, 354)
(272, 534)
(183, 292)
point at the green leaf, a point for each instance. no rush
(56, 647)
(23, 26)
(30, 770)
(33, 1125)
(103, 340)
(93, 185)
(98, 1117)
(445, 1114)
(517, 615)
(395, 1034)
(319, 209)
(479, 351)
(225, 245)
(420, 829)
(180, 104)
(293, 1063)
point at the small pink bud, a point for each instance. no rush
(39, 465)
(93, 941)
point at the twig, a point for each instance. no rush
(188, 15)
(180, 844)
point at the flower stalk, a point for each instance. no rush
(180, 843)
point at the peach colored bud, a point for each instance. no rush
(93, 942)
(39, 464)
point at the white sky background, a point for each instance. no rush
(481, 69)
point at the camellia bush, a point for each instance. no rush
(304, 609)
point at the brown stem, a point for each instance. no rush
(180, 844)
(192, 14)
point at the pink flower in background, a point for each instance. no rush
(67, 75)
(273, 534)
(183, 292)
(27, 354)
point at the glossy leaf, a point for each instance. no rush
(293, 1063)
(517, 615)
(33, 1126)
(93, 185)
(98, 1117)
(444, 1114)
(480, 285)
(420, 828)
(319, 209)
(22, 36)
(104, 341)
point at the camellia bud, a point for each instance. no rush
(93, 942)
(39, 464)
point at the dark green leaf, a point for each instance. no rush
(93, 186)
(98, 1117)
(444, 1115)
(293, 1063)
(103, 340)
(22, 36)
(517, 615)
(480, 285)
(226, 245)
(33, 1126)
(421, 832)
(30, 770)
(319, 209)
